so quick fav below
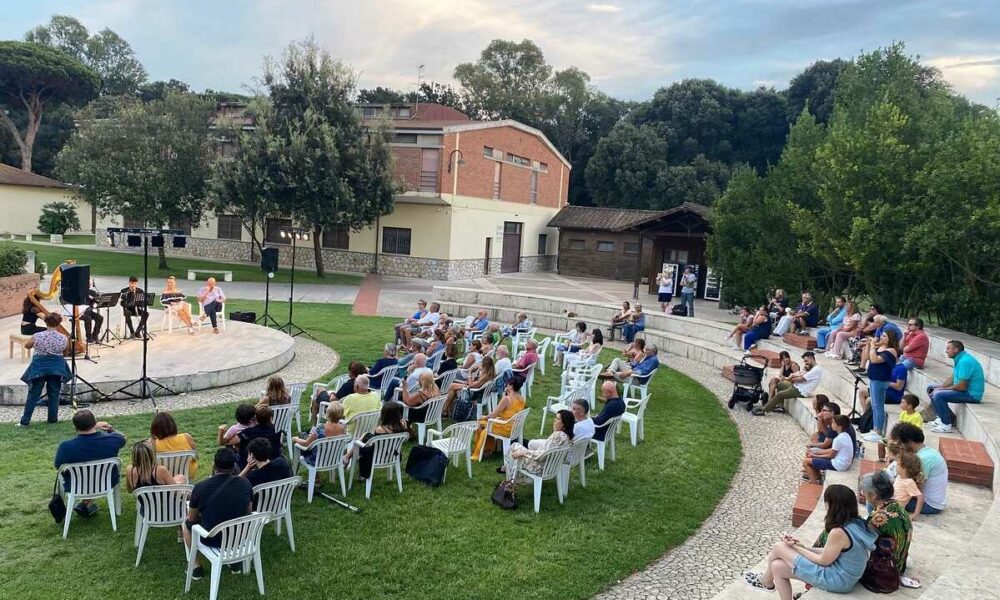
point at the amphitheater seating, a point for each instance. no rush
(967, 461)
(805, 342)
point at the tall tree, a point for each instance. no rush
(813, 88)
(509, 81)
(627, 167)
(148, 161)
(443, 94)
(34, 78)
(158, 90)
(380, 95)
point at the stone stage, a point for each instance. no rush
(180, 361)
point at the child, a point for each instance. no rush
(909, 475)
(244, 418)
(908, 406)
(838, 457)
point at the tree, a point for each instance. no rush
(149, 161)
(58, 218)
(107, 53)
(443, 94)
(158, 90)
(813, 88)
(509, 81)
(627, 167)
(380, 95)
(34, 78)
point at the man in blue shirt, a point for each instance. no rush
(806, 314)
(613, 407)
(641, 369)
(420, 313)
(966, 385)
(95, 440)
(388, 359)
(884, 324)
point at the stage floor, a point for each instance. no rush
(178, 360)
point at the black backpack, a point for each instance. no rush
(679, 310)
(427, 464)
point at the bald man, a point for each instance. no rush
(613, 407)
(211, 298)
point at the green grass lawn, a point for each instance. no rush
(449, 542)
(106, 262)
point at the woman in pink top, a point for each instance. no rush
(847, 330)
(915, 344)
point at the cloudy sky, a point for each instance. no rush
(629, 47)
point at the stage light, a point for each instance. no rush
(134, 241)
(156, 241)
(305, 237)
(111, 240)
(282, 233)
(180, 241)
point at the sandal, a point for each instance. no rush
(909, 582)
(756, 580)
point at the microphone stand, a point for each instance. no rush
(858, 380)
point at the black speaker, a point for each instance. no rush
(245, 317)
(75, 284)
(269, 260)
(156, 241)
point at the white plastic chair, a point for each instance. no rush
(636, 420)
(295, 392)
(220, 317)
(281, 417)
(585, 376)
(554, 404)
(362, 423)
(551, 462)
(516, 433)
(240, 543)
(90, 480)
(386, 376)
(159, 506)
(528, 375)
(577, 457)
(333, 385)
(170, 319)
(485, 399)
(434, 362)
(434, 407)
(521, 338)
(446, 379)
(454, 441)
(638, 383)
(542, 350)
(327, 458)
(611, 429)
(275, 499)
(580, 358)
(386, 454)
(178, 463)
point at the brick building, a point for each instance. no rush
(478, 199)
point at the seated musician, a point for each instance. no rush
(133, 301)
(29, 317)
(173, 302)
(91, 317)
(211, 299)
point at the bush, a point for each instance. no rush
(58, 218)
(12, 260)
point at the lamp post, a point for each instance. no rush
(293, 234)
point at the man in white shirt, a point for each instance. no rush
(584, 426)
(425, 324)
(800, 384)
(503, 363)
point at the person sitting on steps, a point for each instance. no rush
(798, 385)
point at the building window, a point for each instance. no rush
(578, 244)
(544, 168)
(336, 237)
(487, 152)
(518, 160)
(543, 244)
(605, 246)
(131, 221)
(396, 240)
(404, 138)
(370, 112)
(534, 187)
(403, 113)
(631, 247)
(496, 181)
(429, 167)
(230, 228)
(272, 230)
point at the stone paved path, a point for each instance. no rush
(756, 511)
(312, 360)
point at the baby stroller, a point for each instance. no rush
(747, 386)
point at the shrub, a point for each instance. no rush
(12, 260)
(58, 217)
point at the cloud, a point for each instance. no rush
(969, 73)
(603, 8)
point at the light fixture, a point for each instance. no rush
(134, 241)
(282, 234)
(111, 240)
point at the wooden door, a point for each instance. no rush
(510, 262)
(489, 255)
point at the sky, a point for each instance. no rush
(630, 48)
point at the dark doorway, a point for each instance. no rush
(510, 262)
(489, 255)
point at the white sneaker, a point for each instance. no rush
(942, 428)
(871, 436)
(935, 423)
(735, 347)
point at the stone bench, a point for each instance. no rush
(967, 461)
(16, 338)
(800, 341)
(226, 275)
(805, 502)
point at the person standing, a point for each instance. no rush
(47, 369)
(882, 356)
(133, 301)
(689, 286)
(665, 293)
(211, 298)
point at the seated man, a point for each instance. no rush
(261, 468)
(418, 366)
(521, 325)
(479, 325)
(528, 357)
(419, 314)
(613, 407)
(637, 323)
(133, 303)
(347, 388)
(932, 465)
(95, 440)
(502, 362)
(833, 322)
(220, 498)
(211, 299)
(362, 400)
(388, 359)
(424, 325)
(916, 344)
(966, 385)
(797, 385)
(806, 314)
(824, 435)
(641, 369)
(584, 426)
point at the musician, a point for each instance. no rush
(133, 301)
(173, 302)
(91, 317)
(211, 299)
(29, 318)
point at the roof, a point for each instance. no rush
(13, 176)
(617, 219)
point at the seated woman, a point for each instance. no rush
(636, 324)
(486, 343)
(263, 428)
(276, 393)
(838, 457)
(473, 358)
(525, 459)
(777, 305)
(390, 421)
(746, 322)
(165, 438)
(245, 414)
(888, 518)
(591, 351)
(427, 389)
(144, 472)
(511, 404)
(484, 373)
(620, 318)
(788, 366)
(450, 360)
(849, 328)
(576, 338)
(760, 329)
(332, 428)
(833, 322)
(836, 565)
(172, 300)
(635, 351)
(346, 389)
(438, 343)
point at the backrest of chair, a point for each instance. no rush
(295, 391)
(578, 450)
(328, 452)
(281, 416)
(91, 478)
(551, 460)
(434, 407)
(610, 426)
(240, 537)
(386, 448)
(177, 463)
(336, 382)
(362, 423)
(461, 433)
(447, 379)
(275, 497)
(641, 409)
(518, 421)
(489, 392)
(387, 374)
(435, 362)
(543, 346)
(163, 504)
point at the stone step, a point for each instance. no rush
(967, 461)
(805, 502)
(800, 341)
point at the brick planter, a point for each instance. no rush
(967, 461)
(13, 289)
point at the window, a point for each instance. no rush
(487, 152)
(543, 244)
(429, 158)
(230, 228)
(518, 160)
(496, 181)
(396, 240)
(403, 113)
(578, 244)
(272, 230)
(336, 236)
(544, 168)
(185, 227)
(631, 247)
(404, 138)
(534, 187)
(370, 112)
(605, 246)
(132, 221)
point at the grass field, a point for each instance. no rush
(448, 542)
(106, 262)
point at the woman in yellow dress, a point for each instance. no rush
(511, 404)
(165, 438)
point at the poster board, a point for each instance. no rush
(713, 285)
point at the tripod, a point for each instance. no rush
(94, 392)
(293, 329)
(858, 380)
(266, 319)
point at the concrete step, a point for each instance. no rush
(805, 342)
(967, 461)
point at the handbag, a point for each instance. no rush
(464, 408)
(57, 506)
(504, 495)
(881, 575)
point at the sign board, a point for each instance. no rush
(713, 285)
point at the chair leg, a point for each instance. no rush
(468, 462)
(538, 494)
(112, 511)
(354, 466)
(312, 485)
(368, 486)
(612, 443)
(583, 473)
(69, 515)
(143, 530)
(192, 553)
(600, 456)
(633, 431)
(560, 492)
(213, 591)
(291, 534)
(340, 473)
(642, 428)
(138, 528)
(259, 569)
(399, 478)
(421, 428)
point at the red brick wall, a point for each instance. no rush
(407, 166)
(475, 176)
(13, 291)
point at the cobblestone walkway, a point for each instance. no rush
(756, 511)
(312, 360)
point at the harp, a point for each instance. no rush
(36, 297)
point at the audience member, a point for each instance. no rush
(838, 457)
(849, 328)
(420, 313)
(906, 486)
(833, 322)
(480, 324)
(788, 366)
(777, 304)
(145, 472)
(576, 338)
(503, 362)
(529, 356)
(635, 351)
(165, 437)
(908, 411)
(798, 385)
(743, 326)
(245, 414)
(331, 428)
(220, 498)
(474, 356)
(355, 369)
(425, 390)
(423, 325)
(95, 440)
(47, 369)
(525, 458)
(450, 361)
(887, 517)
(417, 368)
(932, 465)
(637, 323)
(484, 373)
(966, 385)
(620, 318)
(364, 399)
(261, 468)
(642, 369)
(916, 344)
(276, 393)
(760, 329)
(388, 359)
(521, 325)
(614, 406)
(390, 421)
(591, 351)
(511, 404)
(882, 355)
(584, 425)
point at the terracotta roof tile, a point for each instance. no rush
(13, 176)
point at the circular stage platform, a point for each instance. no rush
(180, 361)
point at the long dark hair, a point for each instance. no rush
(391, 417)
(568, 421)
(598, 337)
(841, 506)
